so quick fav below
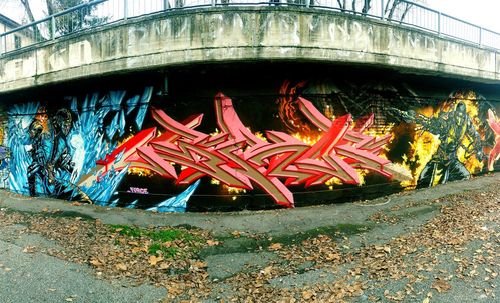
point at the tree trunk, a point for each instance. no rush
(393, 9)
(407, 9)
(50, 7)
(387, 5)
(27, 8)
(367, 6)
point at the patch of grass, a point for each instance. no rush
(168, 252)
(167, 235)
(126, 230)
(159, 238)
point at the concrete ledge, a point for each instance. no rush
(244, 34)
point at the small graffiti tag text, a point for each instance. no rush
(138, 190)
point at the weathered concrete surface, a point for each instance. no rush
(244, 34)
(39, 277)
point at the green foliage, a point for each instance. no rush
(76, 20)
(167, 235)
(168, 252)
(159, 238)
(126, 230)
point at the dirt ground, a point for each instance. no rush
(434, 245)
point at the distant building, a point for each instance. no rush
(15, 40)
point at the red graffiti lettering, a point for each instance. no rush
(238, 158)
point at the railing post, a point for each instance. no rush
(439, 23)
(308, 3)
(480, 36)
(52, 27)
(3, 45)
(382, 8)
(125, 9)
(166, 5)
(213, 3)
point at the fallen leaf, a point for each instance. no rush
(29, 249)
(95, 262)
(175, 289)
(121, 266)
(275, 246)
(307, 294)
(333, 256)
(266, 270)
(138, 249)
(441, 285)
(153, 260)
(199, 264)
(212, 243)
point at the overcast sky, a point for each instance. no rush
(484, 13)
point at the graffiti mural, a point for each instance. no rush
(494, 123)
(312, 141)
(456, 140)
(238, 158)
(455, 130)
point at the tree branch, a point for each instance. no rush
(27, 8)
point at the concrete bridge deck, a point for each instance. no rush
(244, 34)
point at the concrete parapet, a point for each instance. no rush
(244, 34)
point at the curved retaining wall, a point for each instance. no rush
(270, 142)
(283, 131)
(244, 34)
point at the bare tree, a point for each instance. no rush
(366, 7)
(399, 9)
(393, 10)
(31, 18)
(342, 4)
(71, 22)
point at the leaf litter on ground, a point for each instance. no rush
(168, 256)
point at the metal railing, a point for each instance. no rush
(100, 12)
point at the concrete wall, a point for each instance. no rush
(244, 34)
(270, 142)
